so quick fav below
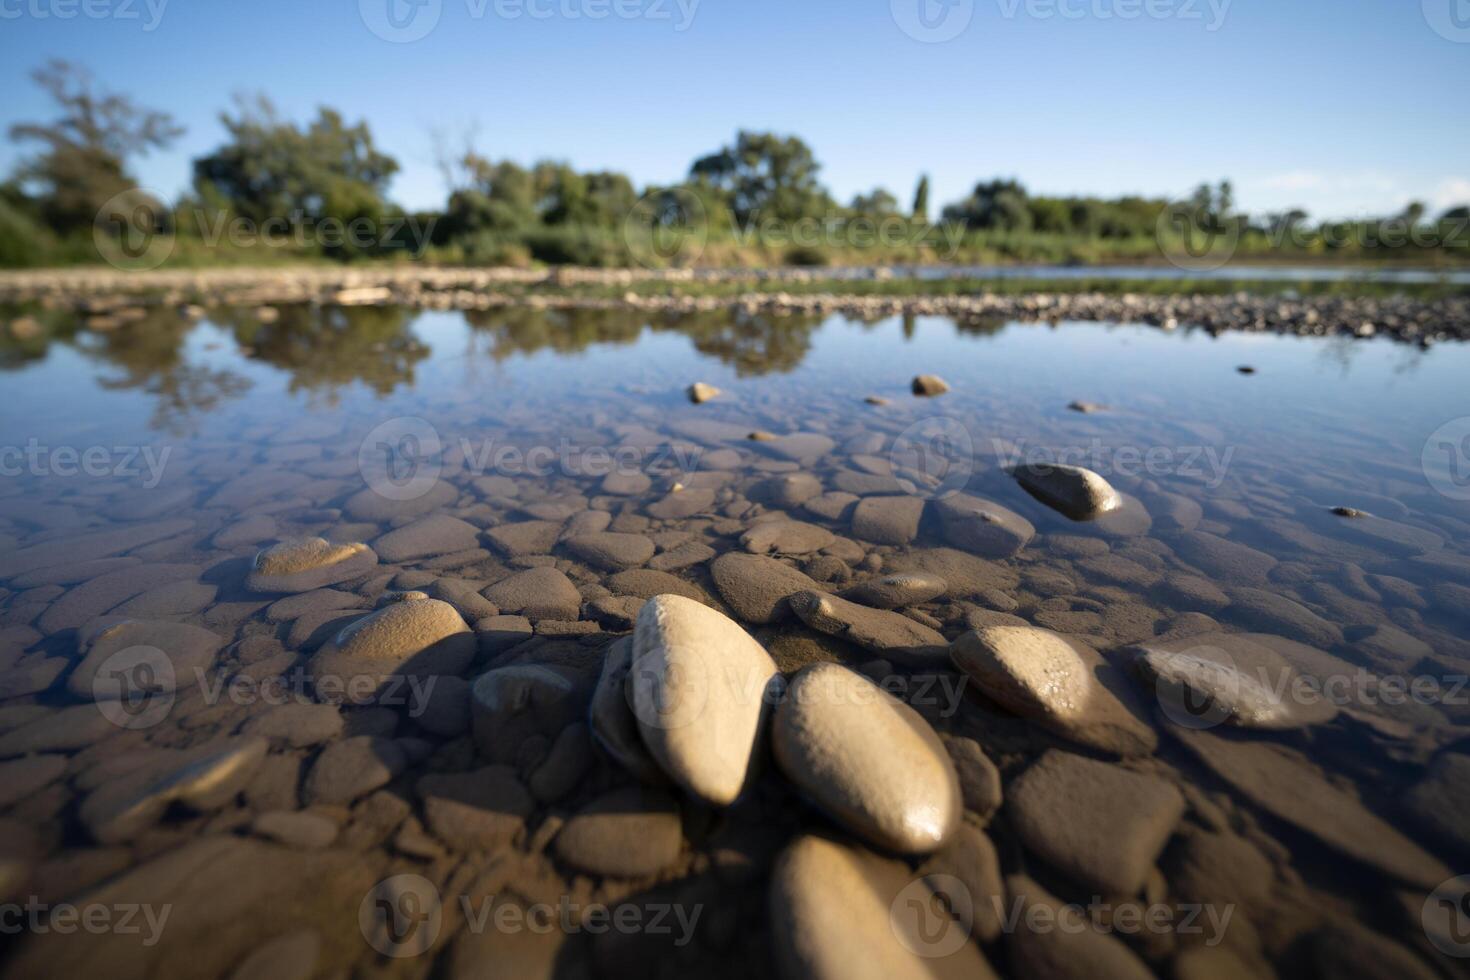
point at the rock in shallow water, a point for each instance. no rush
(437, 534)
(889, 633)
(757, 587)
(628, 833)
(887, 520)
(611, 551)
(843, 913)
(702, 688)
(202, 779)
(866, 759)
(512, 704)
(785, 537)
(121, 658)
(928, 385)
(412, 638)
(1057, 681)
(1099, 823)
(983, 526)
(612, 721)
(307, 564)
(537, 593)
(896, 591)
(1075, 491)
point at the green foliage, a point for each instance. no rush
(764, 176)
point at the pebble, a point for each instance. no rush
(25, 777)
(353, 768)
(437, 534)
(537, 593)
(982, 526)
(1071, 948)
(757, 587)
(867, 760)
(681, 504)
(701, 692)
(896, 591)
(413, 638)
(611, 551)
(979, 778)
(202, 779)
(699, 392)
(785, 537)
(970, 858)
(620, 484)
(1075, 491)
(306, 830)
(1267, 611)
(628, 833)
(878, 630)
(1059, 682)
(786, 491)
(1440, 800)
(510, 705)
(798, 447)
(887, 520)
(832, 916)
(298, 725)
(525, 537)
(613, 724)
(1100, 824)
(928, 385)
(484, 810)
(289, 957)
(304, 565)
(1223, 559)
(162, 656)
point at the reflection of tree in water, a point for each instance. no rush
(326, 348)
(980, 326)
(148, 354)
(753, 345)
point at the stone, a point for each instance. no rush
(1191, 592)
(843, 912)
(62, 730)
(756, 587)
(537, 593)
(613, 724)
(699, 392)
(1232, 678)
(1059, 682)
(982, 526)
(123, 657)
(628, 833)
(680, 504)
(1293, 791)
(247, 531)
(799, 447)
(202, 779)
(682, 556)
(370, 506)
(444, 709)
(299, 829)
(615, 612)
(298, 725)
(565, 766)
(77, 548)
(1224, 559)
(979, 778)
(889, 633)
(304, 565)
(785, 537)
(1265, 611)
(896, 591)
(437, 534)
(645, 583)
(498, 634)
(928, 385)
(24, 777)
(1348, 951)
(1098, 823)
(511, 704)
(353, 768)
(464, 596)
(701, 692)
(630, 484)
(289, 957)
(835, 507)
(1075, 491)
(787, 491)
(967, 576)
(1438, 802)
(867, 760)
(611, 551)
(91, 599)
(414, 638)
(482, 810)
(887, 520)
(525, 538)
(970, 858)
(1072, 948)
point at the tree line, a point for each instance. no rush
(752, 200)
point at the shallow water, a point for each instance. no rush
(195, 427)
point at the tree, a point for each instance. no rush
(273, 170)
(993, 205)
(876, 204)
(83, 160)
(764, 175)
(921, 199)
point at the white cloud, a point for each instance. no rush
(1452, 192)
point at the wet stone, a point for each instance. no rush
(525, 538)
(298, 725)
(437, 534)
(896, 591)
(1259, 609)
(889, 633)
(612, 721)
(611, 551)
(537, 593)
(415, 638)
(122, 657)
(887, 520)
(1075, 491)
(1059, 682)
(308, 564)
(482, 810)
(867, 760)
(928, 385)
(353, 768)
(508, 705)
(982, 526)
(757, 587)
(785, 537)
(1100, 824)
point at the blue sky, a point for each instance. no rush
(1344, 107)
